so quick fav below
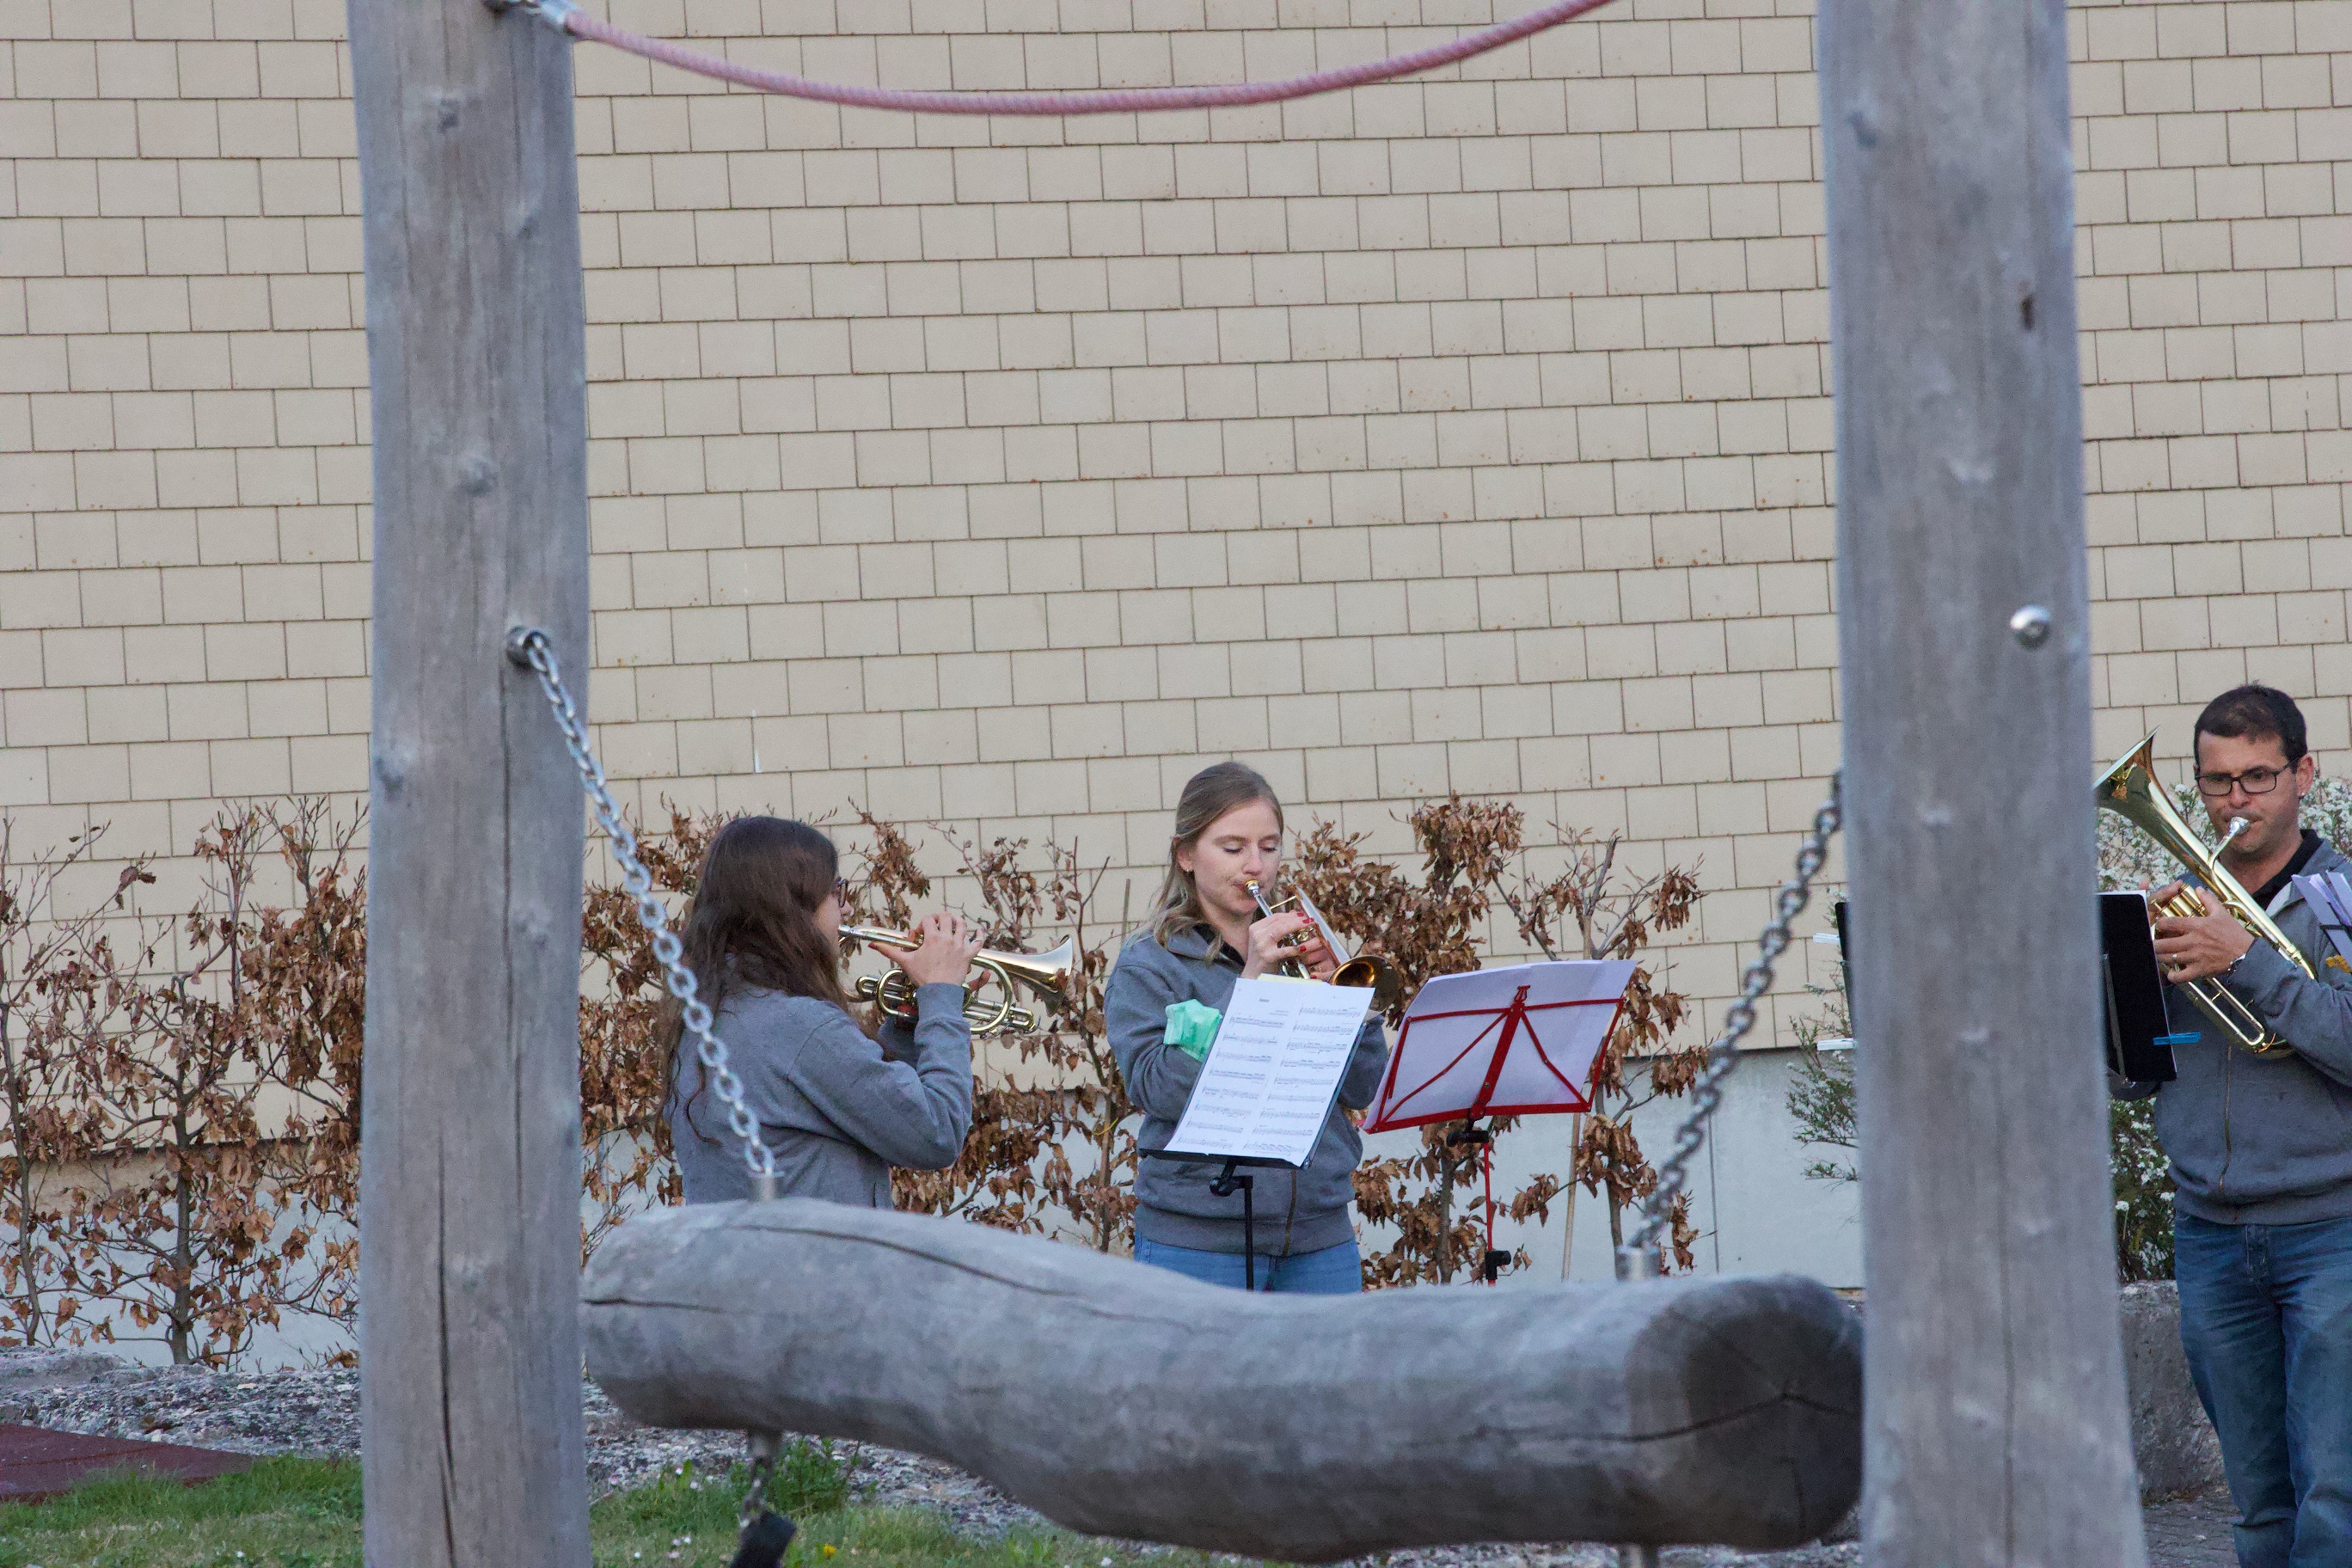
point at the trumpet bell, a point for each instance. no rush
(1371, 969)
(1366, 969)
(1047, 972)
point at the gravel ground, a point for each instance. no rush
(317, 1412)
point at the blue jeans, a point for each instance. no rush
(2266, 1320)
(1334, 1271)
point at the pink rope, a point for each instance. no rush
(1100, 100)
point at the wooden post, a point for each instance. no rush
(1568, 1196)
(1995, 1414)
(469, 1200)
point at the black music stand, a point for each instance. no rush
(1470, 1135)
(2137, 1026)
(2134, 1019)
(1227, 1179)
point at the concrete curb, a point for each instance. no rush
(2176, 1449)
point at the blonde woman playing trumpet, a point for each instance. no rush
(836, 1105)
(1206, 935)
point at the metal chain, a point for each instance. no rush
(528, 646)
(764, 1446)
(1638, 1257)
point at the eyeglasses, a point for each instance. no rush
(841, 886)
(2253, 781)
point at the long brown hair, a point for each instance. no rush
(1208, 795)
(753, 924)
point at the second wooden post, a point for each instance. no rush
(1994, 1393)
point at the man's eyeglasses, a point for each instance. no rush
(2253, 781)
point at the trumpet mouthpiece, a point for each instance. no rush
(2237, 825)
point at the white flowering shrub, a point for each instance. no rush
(2143, 1178)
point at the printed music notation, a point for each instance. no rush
(1269, 1083)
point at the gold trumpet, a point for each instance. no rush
(1041, 971)
(1364, 969)
(2129, 790)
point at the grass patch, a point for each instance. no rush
(305, 1513)
(282, 1513)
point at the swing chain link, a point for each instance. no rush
(1638, 1258)
(529, 647)
(764, 1468)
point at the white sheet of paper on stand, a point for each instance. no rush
(1272, 1074)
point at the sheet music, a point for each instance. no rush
(1275, 1066)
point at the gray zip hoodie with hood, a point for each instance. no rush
(2267, 1140)
(1297, 1211)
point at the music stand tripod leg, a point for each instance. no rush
(1227, 1179)
(1249, 1233)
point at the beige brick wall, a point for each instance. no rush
(1469, 433)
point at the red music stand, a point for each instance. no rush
(1518, 1041)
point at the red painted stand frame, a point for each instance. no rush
(1517, 1020)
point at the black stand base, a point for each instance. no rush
(1492, 1260)
(764, 1542)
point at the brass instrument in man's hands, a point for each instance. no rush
(1045, 973)
(2129, 790)
(1368, 969)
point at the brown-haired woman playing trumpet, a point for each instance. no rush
(836, 1107)
(1208, 934)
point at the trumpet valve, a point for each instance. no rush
(892, 992)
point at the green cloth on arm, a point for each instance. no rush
(1191, 1027)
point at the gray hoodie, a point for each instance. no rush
(2267, 1140)
(1297, 1211)
(835, 1107)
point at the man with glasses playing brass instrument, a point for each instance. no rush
(2261, 1148)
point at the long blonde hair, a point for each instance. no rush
(1208, 795)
